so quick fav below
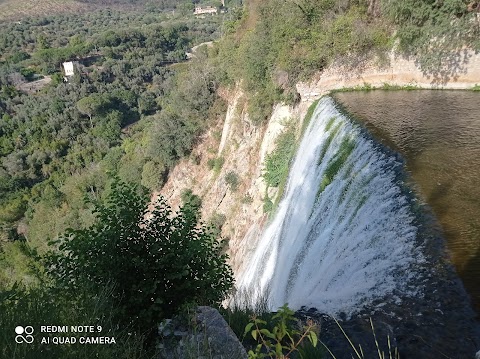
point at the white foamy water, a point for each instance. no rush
(343, 234)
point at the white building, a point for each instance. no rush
(69, 68)
(205, 10)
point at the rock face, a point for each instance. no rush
(393, 69)
(206, 336)
(223, 341)
(241, 148)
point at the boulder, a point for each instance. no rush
(223, 341)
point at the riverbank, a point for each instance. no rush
(394, 70)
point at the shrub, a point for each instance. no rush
(191, 200)
(216, 164)
(232, 181)
(152, 175)
(247, 199)
(284, 339)
(211, 163)
(277, 163)
(216, 223)
(157, 265)
(267, 204)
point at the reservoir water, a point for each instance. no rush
(438, 133)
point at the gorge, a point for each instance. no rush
(359, 206)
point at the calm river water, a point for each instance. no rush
(438, 133)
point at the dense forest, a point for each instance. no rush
(132, 108)
(136, 104)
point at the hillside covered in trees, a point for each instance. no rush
(77, 131)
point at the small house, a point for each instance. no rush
(69, 68)
(205, 10)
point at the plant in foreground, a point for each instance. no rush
(158, 260)
(283, 339)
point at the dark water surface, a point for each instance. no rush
(438, 133)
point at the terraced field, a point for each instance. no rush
(16, 10)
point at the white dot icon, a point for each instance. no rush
(19, 330)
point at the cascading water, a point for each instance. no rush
(344, 233)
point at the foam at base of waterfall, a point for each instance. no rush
(343, 234)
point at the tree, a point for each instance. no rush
(157, 265)
(91, 105)
(152, 175)
(147, 104)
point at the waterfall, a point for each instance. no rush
(344, 234)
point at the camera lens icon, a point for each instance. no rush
(24, 334)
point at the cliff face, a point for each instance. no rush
(242, 147)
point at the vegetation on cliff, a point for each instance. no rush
(273, 44)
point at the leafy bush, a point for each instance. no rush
(267, 204)
(277, 163)
(232, 180)
(157, 265)
(216, 223)
(191, 200)
(153, 175)
(247, 199)
(216, 164)
(284, 339)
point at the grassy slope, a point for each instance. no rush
(16, 10)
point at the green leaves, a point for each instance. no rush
(281, 340)
(158, 261)
(434, 31)
(248, 328)
(312, 336)
(277, 163)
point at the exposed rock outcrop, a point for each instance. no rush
(223, 341)
(463, 72)
(207, 336)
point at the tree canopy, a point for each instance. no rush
(158, 260)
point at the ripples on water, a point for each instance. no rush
(438, 132)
